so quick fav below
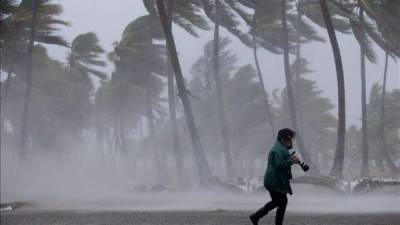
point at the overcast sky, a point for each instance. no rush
(108, 19)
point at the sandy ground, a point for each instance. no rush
(65, 217)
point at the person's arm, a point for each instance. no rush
(280, 163)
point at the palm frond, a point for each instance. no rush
(363, 39)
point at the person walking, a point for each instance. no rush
(277, 177)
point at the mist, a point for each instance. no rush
(105, 107)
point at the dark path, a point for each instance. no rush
(184, 218)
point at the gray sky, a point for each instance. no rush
(108, 19)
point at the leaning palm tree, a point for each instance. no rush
(367, 24)
(289, 88)
(141, 61)
(28, 90)
(82, 60)
(386, 16)
(266, 28)
(337, 168)
(382, 138)
(219, 90)
(186, 14)
(32, 20)
(202, 165)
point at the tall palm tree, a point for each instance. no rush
(382, 138)
(267, 26)
(385, 14)
(364, 129)
(186, 14)
(27, 94)
(30, 21)
(202, 165)
(221, 13)
(289, 87)
(337, 168)
(368, 25)
(180, 167)
(219, 90)
(83, 59)
(140, 60)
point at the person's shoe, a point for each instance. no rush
(253, 220)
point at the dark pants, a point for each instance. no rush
(278, 200)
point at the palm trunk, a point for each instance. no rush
(160, 165)
(220, 98)
(364, 147)
(262, 86)
(180, 167)
(289, 90)
(297, 82)
(337, 168)
(384, 152)
(28, 90)
(123, 147)
(202, 164)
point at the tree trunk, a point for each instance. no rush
(202, 164)
(220, 97)
(337, 168)
(297, 81)
(262, 86)
(364, 146)
(289, 90)
(384, 152)
(28, 90)
(180, 167)
(160, 165)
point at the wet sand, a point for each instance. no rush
(220, 217)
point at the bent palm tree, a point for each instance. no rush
(140, 61)
(202, 165)
(31, 20)
(337, 168)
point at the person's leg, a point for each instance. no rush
(266, 208)
(280, 212)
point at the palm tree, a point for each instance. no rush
(266, 29)
(33, 21)
(180, 167)
(289, 87)
(337, 168)
(202, 165)
(82, 60)
(27, 94)
(221, 13)
(220, 97)
(392, 166)
(85, 53)
(365, 32)
(186, 14)
(140, 61)
(385, 14)
(364, 146)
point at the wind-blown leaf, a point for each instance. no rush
(363, 39)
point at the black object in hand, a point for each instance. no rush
(303, 165)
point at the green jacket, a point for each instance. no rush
(278, 172)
